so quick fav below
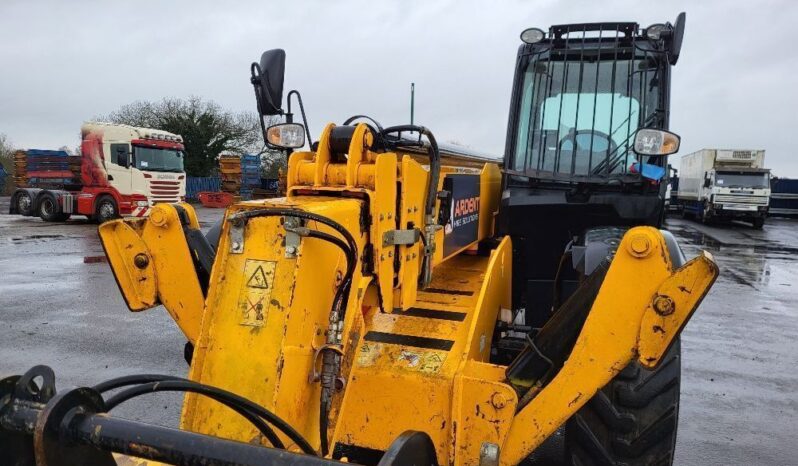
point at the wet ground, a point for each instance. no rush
(740, 352)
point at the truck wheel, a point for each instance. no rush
(632, 420)
(706, 216)
(24, 203)
(105, 209)
(48, 209)
(758, 222)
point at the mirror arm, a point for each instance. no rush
(290, 116)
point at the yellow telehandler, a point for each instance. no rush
(411, 304)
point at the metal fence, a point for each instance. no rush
(784, 197)
(6, 182)
(197, 184)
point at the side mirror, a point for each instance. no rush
(707, 182)
(267, 78)
(676, 38)
(656, 142)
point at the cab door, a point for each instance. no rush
(118, 167)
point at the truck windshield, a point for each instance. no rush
(579, 111)
(742, 180)
(158, 159)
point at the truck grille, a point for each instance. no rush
(740, 199)
(164, 191)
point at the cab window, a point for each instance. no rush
(120, 154)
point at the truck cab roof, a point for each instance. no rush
(126, 133)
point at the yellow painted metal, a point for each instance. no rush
(411, 215)
(123, 243)
(672, 306)
(483, 410)
(416, 377)
(413, 359)
(609, 339)
(161, 239)
(260, 335)
(490, 179)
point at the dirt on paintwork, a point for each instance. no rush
(739, 399)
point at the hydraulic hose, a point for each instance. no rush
(434, 162)
(331, 360)
(128, 380)
(350, 251)
(232, 400)
(431, 223)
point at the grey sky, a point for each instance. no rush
(63, 62)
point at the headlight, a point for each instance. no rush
(143, 203)
(286, 135)
(656, 142)
(532, 35)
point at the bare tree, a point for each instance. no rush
(6, 165)
(6, 148)
(207, 128)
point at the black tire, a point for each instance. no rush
(105, 209)
(23, 203)
(48, 208)
(705, 216)
(632, 421)
(758, 222)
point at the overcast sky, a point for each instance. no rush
(64, 62)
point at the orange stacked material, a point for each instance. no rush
(20, 168)
(74, 165)
(230, 171)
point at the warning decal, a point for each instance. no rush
(258, 278)
(254, 298)
(427, 362)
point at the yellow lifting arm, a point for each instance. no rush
(641, 307)
(152, 264)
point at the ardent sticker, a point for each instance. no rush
(254, 299)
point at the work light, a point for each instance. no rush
(286, 135)
(655, 31)
(532, 35)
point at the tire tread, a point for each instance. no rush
(632, 421)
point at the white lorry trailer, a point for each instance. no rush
(725, 183)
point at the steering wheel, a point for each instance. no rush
(580, 148)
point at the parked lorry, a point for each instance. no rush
(124, 171)
(725, 183)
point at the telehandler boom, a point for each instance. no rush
(371, 315)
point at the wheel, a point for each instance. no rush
(48, 209)
(631, 421)
(758, 222)
(24, 203)
(705, 216)
(105, 209)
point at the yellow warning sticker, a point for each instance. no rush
(253, 301)
(428, 362)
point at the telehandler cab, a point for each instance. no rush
(410, 304)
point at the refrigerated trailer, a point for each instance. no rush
(124, 171)
(725, 183)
